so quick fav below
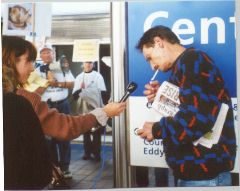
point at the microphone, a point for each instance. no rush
(131, 87)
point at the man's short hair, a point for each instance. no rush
(160, 31)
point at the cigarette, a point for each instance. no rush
(154, 76)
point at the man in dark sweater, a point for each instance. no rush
(201, 93)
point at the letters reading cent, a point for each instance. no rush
(184, 26)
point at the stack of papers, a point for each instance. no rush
(35, 81)
(211, 138)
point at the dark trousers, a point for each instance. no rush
(235, 179)
(92, 146)
(60, 151)
(161, 177)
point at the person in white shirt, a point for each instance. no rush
(88, 89)
(56, 95)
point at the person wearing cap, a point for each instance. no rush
(64, 64)
(88, 89)
(56, 95)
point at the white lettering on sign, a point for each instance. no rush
(233, 20)
(185, 26)
(149, 20)
(220, 28)
(178, 30)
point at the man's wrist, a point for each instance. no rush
(53, 82)
(156, 131)
(62, 84)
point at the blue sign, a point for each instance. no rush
(208, 26)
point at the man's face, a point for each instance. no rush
(65, 65)
(87, 66)
(47, 56)
(157, 57)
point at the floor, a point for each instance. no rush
(94, 175)
(91, 174)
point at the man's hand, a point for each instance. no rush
(50, 76)
(146, 131)
(151, 90)
(53, 83)
(52, 80)
(76, 94)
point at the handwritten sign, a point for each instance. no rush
(86, 50)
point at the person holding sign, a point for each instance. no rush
(204, 111)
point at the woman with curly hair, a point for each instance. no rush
(26, 119)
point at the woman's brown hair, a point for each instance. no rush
(12, 48)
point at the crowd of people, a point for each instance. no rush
(39, 136)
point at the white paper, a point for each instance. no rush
(214, 135)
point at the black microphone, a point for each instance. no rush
(131, 87)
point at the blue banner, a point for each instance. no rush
(205, 25)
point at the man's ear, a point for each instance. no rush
(159, 41)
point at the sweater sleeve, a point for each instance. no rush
(201, 89)
(58, 125)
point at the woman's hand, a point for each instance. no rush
(151, 90)
(114, 109)
(40, 90)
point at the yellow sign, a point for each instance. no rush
(85, 50)
(35, 81)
